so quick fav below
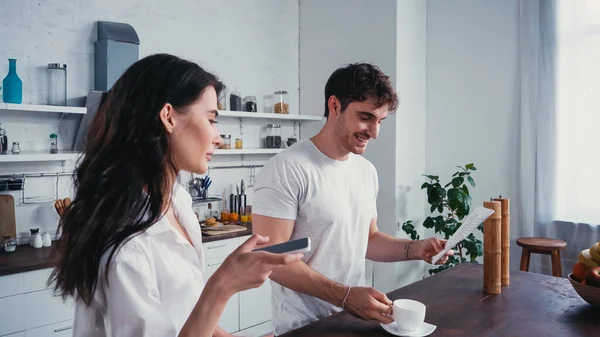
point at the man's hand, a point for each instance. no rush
(428, 248)
(369, 304)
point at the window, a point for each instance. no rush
(578, 111)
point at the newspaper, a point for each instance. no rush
(469, 224)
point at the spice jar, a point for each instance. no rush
(226, 142)
(281, 105)
(238, 143)
(250, 104)
(15, 148)
(57, 84)
(53, 143)
(273, 136)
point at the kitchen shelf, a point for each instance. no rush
(248, 151)
(263, 115)
(42, 108)
(38, 156)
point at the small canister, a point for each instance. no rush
(281, 106)
(57, 84)
(226, 142)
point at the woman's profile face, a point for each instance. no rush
(193, 132)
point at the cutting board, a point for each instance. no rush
(227, 229)
(8, 225)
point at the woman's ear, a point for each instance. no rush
(166, 117)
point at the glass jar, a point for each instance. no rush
(235, 100)
(222, 101)
(273, 136)
(267, 103)
(239, 144)
(250, 103)
(3, 140)
(16, 149)
(226, 142)
(53, 143)
(9, 244)
(282, 105)
(57, 84)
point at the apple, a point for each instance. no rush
(592, 277)
(579, 271)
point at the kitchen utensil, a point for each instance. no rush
(8, 225)
(242, 205)
(61, 205)
(35, 240)
(15, 184)
(46, 240)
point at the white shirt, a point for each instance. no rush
(333, 203)
(155, 281)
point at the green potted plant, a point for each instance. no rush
(449, 204)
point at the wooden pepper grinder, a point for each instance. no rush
(505, 240)
(492, 251)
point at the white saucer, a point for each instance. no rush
(424, 330)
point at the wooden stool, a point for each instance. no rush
(542, 246)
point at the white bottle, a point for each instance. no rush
(46, 240)
(37, 240)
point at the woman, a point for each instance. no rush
(131, 246)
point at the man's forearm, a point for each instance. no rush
(386, 248)
(301, 278)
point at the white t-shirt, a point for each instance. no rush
(155, 281)
(333, 203)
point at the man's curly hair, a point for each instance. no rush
(356, 83)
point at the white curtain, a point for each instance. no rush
(559, 102)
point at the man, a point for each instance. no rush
(323, 189)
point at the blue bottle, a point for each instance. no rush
(12, 85)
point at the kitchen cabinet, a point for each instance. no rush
(61, 329)
(247, 309)
(29, 307)
(255, 306)
(28, 304)
(230, 317)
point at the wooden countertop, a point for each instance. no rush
(27, 258)
(532, 305)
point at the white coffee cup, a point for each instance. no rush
(408, 314)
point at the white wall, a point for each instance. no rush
(250, 44)
(330, 38)
(472, 68)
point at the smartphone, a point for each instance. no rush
(289, 247)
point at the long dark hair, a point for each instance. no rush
(122, 182)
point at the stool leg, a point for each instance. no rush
(556, 266)
(524, 260)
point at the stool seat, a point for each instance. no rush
(542, 246)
